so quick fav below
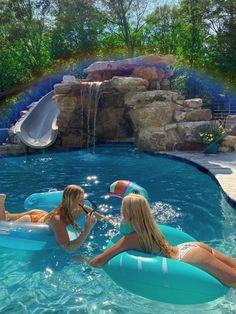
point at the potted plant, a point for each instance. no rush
(213, 137)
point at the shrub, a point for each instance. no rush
(213, 134)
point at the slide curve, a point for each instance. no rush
(38, 129)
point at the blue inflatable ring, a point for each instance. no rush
(163, 279)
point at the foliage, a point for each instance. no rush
(76, 29)
(39, 35)
(125, 19)
(213, 134)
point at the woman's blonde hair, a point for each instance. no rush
(70, 193)
(136, 212)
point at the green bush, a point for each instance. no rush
(213, 134)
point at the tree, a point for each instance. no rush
(194, 31)
(24, 46)
(77, 27)
(162, 29)
(221, 19)
(125, 18)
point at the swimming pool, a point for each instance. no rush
(181, 196)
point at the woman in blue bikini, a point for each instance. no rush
(148, 238)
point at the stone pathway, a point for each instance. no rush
(221, 165)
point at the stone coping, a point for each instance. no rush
(221, 166)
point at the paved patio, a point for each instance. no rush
(221, 165)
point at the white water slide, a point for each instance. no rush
(37, 128)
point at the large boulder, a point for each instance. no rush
(129, 64)
(230, 124)
(198, 115)
(124, 85)
(156, 76)
(156, 114)
(194, 103)
(133, 100)
(152, 68)
(229, 144)
(149, 73)
(151, 139)
(158, 139)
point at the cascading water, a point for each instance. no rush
(82, 111)
(89, 97)
(97, 96)
(90, 94)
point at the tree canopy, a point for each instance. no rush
(38, 35)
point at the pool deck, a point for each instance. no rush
(221, 165)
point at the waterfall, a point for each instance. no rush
(90, 94)
(82, 112)
(97, 96)
(93, 93)
(89, 99)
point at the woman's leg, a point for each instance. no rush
(4, 215)
(25, 218)
(207, 261)
(16, 217)
(20, 217)
(223, 258)
(2, 207)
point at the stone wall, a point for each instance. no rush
(157, 119)
(131, 98)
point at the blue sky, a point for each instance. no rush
(161, 2)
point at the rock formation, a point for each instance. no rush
(153, 68)
(127, 99)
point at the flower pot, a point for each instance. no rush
(212, 148)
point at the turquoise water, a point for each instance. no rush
(50, 282)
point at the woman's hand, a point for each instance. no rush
(90, 221)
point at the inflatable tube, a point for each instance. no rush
(36, 236)
(122, 188)
(163, 279)
(27, 236)
(46, 201)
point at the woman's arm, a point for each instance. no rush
(62, 236)
(97, 215)
(128, 242)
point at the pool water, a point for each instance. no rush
(50, 282)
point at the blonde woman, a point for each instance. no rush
(147, 237)
(71, 208)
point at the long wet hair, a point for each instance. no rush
(136, 212)
(66, 208)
